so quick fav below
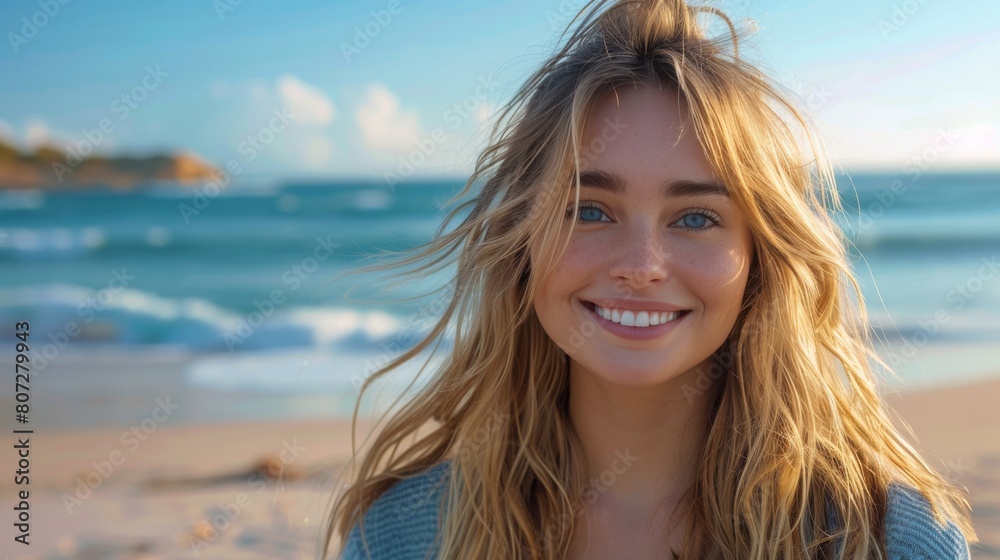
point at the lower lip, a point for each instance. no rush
(635, 333)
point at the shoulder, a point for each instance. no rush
(403, 522)
(912, 533)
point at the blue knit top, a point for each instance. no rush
(402, 524)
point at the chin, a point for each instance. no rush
(634, 375)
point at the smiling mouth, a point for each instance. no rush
(639, 319)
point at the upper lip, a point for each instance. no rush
(634, 304)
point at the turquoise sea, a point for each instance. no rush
(241, 283)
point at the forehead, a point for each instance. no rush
(644, 136)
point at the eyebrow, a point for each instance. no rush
(614, 183)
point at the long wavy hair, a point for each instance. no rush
(796, 424)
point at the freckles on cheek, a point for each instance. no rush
(579, 255)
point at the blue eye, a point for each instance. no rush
(587, 211)
(699, 220)
(694, 221)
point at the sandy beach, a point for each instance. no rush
(956, 431)
(261, 489)
(225, 490)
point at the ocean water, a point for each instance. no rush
(244, 281)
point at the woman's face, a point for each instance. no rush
(656, 239)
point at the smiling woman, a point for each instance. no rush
(657, 237)
(656, 353)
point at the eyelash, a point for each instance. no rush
(699, 211)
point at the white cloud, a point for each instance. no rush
(243, 107)
(384, 127)
(309, 104)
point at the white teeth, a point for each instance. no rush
(631, 318)
(628, 318)
(642, 319)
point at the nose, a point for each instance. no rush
(643, 256)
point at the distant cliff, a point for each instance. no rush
(49, 167)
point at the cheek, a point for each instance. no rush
(581, 257)
(719, 273)
(556, 283)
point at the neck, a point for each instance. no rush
(640, 443)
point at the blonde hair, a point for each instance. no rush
(797, 422)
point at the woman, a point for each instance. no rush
(656, 350)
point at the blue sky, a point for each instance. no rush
(887, 80)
